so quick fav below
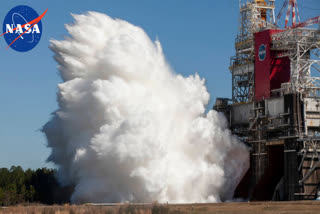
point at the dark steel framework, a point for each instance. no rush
(283, 130)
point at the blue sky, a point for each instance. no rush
(196, 35)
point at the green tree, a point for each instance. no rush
(17, 186)
(1, 197)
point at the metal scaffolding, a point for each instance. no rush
(283, 127)
(253, 18)
(302, 46)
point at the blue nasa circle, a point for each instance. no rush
(19, 16)
(262, 52)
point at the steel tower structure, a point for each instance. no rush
(275, 106)
(252, 19)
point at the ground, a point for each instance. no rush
(298, 207)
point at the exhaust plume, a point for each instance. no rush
(130, 129)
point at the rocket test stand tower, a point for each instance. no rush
(275, 106)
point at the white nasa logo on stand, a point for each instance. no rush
(262, 52)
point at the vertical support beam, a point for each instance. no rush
(294, 13)
(291, 176)
(288, 13)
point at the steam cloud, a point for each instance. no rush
(128, 128)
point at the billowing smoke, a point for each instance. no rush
(130, 129)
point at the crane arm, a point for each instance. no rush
(281, 11)
(309, 22)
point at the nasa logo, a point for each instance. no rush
(262, 52)
(22, 28)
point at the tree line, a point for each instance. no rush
(31, 186)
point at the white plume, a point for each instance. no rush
(128, 128)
